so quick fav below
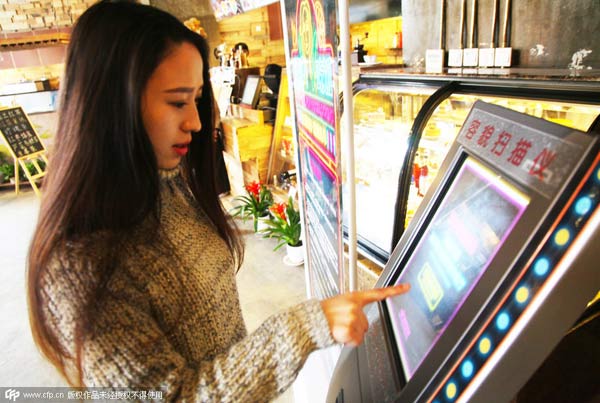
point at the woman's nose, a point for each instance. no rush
(192, 122)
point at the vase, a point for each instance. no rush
(261, 224)
(294, 256)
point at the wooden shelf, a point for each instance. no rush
(247, 144)
(34, 41)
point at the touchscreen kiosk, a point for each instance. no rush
(504, 235)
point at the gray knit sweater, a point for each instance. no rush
(172, 321)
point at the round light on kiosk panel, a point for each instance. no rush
(583, 205)
(522, 294)
(541, 266)
(503, 321)
(451, 390)
(467, 369)
(485, 345)
(562, 236)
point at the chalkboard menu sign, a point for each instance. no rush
(20, 136)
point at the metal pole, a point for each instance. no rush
(348, 139)
(442, 24)
(505, 27)
(494, 18)
(463, 7)
(472, 28)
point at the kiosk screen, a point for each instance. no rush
(471, 223)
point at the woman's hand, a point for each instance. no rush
(347, 321)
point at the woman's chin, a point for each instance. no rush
(170, 164)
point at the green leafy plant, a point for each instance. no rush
(8, 171)
(255, 204)
(284, 225)
(30, 167)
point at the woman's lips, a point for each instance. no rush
(181, 149)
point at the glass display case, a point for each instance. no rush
(383, 117)
(405, 122)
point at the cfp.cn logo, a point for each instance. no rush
(12, 394)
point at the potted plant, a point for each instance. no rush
(286, 227)
(255, 204)
(30, 168)
(8, 171)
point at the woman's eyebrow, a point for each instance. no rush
(186, 90)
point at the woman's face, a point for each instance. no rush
(169, 104)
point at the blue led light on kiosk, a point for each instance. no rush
(503, 321)
(541, 266)
(467, 369)
(583, 205)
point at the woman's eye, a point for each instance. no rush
(178, 104)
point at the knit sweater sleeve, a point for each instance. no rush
(129, 349)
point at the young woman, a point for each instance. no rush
(131, 275)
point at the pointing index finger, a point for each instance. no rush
(379, 294)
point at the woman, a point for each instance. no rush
(131, 277)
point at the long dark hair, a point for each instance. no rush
(103, 174)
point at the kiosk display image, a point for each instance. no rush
(470, 225)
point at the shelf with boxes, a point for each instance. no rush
(247, 140)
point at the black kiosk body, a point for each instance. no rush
(502, 258)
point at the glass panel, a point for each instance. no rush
(383, 117)
(282, 165)
(447, 119)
